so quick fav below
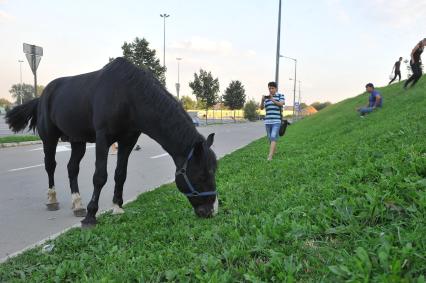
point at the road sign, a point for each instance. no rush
(297, 106)
(34, 62)
(33, 54)
(33, 49)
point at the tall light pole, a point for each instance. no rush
(295, 79)
(20, 72)
(164, 16)
(178, 83)
(300, 102)
(277, 59)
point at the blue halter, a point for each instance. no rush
(194, 192)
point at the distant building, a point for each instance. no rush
(308, 111)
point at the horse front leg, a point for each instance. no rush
(125, 147)
(77, 153)
(99, 180)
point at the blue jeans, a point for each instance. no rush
(366, 110)
(272, 131)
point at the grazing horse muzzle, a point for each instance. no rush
(207, 210)
(204, 211)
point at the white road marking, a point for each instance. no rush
(159, 156)
(61, 148)
(24, 168)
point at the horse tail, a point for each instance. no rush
(19, 117)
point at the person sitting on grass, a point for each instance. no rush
(375, 100)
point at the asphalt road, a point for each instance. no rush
(24, 219)
(4, 128)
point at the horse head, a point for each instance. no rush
(196, 178)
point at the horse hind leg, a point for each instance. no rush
(77, 153)
(49, 148)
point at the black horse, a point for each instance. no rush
(116, 104)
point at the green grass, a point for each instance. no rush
(18, 138)
(344, 201)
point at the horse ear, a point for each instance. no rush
(210, 140)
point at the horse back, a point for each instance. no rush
(79, 106)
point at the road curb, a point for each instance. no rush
(15, 144)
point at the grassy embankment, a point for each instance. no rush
(345, 199)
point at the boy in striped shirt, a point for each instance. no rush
(272, 104)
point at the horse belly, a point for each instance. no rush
(76, 129)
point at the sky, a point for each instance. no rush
(340, 45)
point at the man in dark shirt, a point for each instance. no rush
(416, 63)
(374, 101)
(397, 69)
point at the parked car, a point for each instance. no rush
(196, 121)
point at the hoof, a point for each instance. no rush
(88, 223)
(117, 210)
(52, 206)
(81, 212)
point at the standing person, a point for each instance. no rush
(397, 69)
(273, 102)
(374, 101)
(416, 63)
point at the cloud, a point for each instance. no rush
(400, 13)
(4, 17)
(338, 10)
(250, 53)
(202, 44)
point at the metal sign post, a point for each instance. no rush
(33, 54)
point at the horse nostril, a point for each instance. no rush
(202, 211)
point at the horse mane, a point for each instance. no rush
(142, 82)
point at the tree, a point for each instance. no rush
(188, 102)
(235, 96)
(250, 112)
(139, 53)
(303, 105)
(319, 106)
(27, 92)
(205, 88)
(4, 102)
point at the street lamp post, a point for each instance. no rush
(277, 59)
(299, 99)
(295, 79)
(164, 16)
(178, 83)
(300, 102)
(20, 72)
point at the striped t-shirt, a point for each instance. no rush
(272, 110)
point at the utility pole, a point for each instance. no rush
(164, 16)
(178, 83)
(300, 102)
(277, 59)
(21, 88)
(295, 79)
